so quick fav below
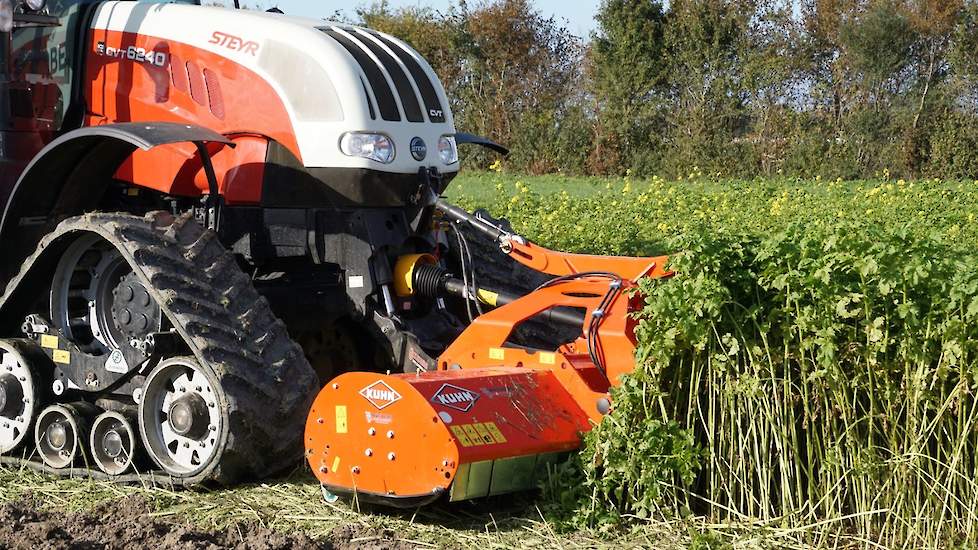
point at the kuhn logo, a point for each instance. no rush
(235, 43)
(455, 397)
(380, 394)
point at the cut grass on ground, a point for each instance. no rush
(295, 504)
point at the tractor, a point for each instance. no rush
(224, 246)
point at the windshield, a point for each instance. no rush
(61, 8)
(43, 61)
(4, 80)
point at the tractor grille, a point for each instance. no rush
(379, 59)
(435, 111)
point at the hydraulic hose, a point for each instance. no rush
(461, 215)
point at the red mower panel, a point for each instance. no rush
(409, 438)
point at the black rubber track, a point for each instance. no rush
(225, 323)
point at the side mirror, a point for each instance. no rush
(6, 15)
(462, 138)
(30, 14)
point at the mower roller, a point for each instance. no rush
(210, 216)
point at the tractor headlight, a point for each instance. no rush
(448, 150)
(376, 147)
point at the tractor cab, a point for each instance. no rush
(41, 45)
(36, 74)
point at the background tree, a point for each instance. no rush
(838, 88)
(707, 44)
(629, 69)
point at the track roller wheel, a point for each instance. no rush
(183, 417)
(114, 442)
(20, 392)
(61, 432)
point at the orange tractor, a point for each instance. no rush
(212, 215)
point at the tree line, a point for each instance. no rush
(739, 88)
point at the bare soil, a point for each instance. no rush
(129, 523)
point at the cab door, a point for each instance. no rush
(34, 89)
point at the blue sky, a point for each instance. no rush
(578, 13)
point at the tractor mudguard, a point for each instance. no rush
(70, 175)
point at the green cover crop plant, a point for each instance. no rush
(811, 368)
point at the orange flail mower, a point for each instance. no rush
(495, 414)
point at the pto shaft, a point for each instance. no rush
(431, 281)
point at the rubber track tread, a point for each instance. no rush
(225, 323)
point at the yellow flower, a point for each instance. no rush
(496, 166)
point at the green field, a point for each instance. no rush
(807, 379)
(635, 216)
